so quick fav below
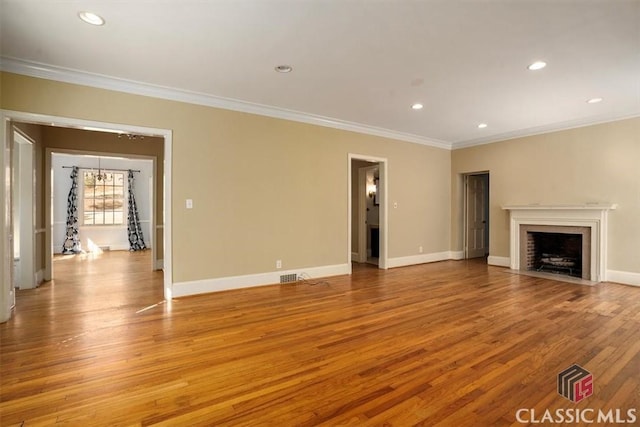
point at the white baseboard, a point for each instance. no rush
(418, 259)
(158, 264)
(39, 277)
(355, 256)
(500, 261)
(456, 255)
(624, 277)
(181, 289)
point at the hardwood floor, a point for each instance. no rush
(450, 343)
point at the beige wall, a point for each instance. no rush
(263, 188)
(591, 164)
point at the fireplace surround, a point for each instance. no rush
(556, 249)
(589, 221)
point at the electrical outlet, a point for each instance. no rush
(189, 204)
(419, 249)
(279, 263)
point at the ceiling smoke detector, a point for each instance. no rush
(284, 68)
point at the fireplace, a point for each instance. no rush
(572, 240)
(556, 249)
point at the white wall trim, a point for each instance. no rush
(456, 255)
(66, 75)
(51, 72)
(355, 257)
(418, 259)
(158, 264)
(499, 261)
(39, 276)
(547, 128)
(195, 287)
(624, 277)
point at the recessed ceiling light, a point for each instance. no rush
(594, 100)
(284, 68)
(417, 106)
(482, 125)
(538, 65)
(91, 18)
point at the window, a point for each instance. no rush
(103, 198)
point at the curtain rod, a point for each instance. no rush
(104, 169)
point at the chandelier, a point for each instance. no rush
(101, 175)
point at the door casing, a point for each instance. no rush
(383, 187)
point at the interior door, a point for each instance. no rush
(23, 205)
(477, 215)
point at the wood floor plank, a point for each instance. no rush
(449, 343)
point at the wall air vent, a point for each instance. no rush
(288, 278)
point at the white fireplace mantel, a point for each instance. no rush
(592, 215)
(587, 207)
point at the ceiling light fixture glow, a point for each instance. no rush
(482, 125)
(538, 65)
(594, 100)
(91, 18)
(284, 68)
(417, 106)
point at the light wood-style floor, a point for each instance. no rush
(454, 343)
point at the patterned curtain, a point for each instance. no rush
(136, 240)
(71, 243)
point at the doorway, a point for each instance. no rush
(102, 202)
(476, 215)
(7, 250)
(367, 210)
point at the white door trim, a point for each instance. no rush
(6, 116)
(383, 197)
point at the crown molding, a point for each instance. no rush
(66, 75)
(539, 130)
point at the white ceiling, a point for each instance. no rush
(361, 62)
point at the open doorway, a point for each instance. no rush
(367, 211)
(476, 215)
(103, 192)
(43, 190)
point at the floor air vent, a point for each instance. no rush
(288, 278)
